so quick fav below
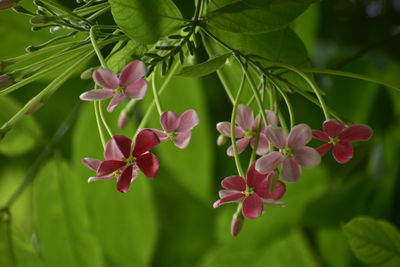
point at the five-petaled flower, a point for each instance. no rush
(130, 84)
(177, 128)
(293, 152)
(122, 162)
(246, 130)
(253, 191)
(339, 138)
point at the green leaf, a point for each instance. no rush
(63, 229)
(24, 136)
(374, 242)
(256, 16)
(206, 67)
(122, 56)
(146, 21)
(126, 225)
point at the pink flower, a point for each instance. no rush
(253, 191)
(122, 162)
(246, 130)
(292, 152)
(129, 84)
(177, 128)
(339, 138)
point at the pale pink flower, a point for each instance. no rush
(246, 129)
(122, 162)
(130, 84)
(339, 138)
(293, 152)
(177, 128)
(253, 192)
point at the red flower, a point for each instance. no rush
(253, 191)
(339, 138)
(122, 162)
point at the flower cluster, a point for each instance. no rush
(282, 156)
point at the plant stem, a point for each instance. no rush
(100, 108)
(98, 121)
(96, 48)
(155, 92)
(287, 101)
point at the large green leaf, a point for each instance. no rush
(256, 16)
(206, 67)
(62, 224)
(146, 21)
(125, 225)
(333, 247)
(24, 136)
(374, 242)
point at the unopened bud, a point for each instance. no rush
(87, 74)
(237, 224)
(221, 140)
(5, 81)
(6, 4)
(41, 20)
(35, 108)
(122, 120)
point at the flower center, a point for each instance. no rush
(249, 134)
(118, 90)
(129, 161)
(249, 191)
(287, 152)
(333, 140)
(171, 135)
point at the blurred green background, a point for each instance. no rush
(61, 220)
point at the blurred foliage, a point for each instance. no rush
(60, 220)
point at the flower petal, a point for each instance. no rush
(307, 156)
(299, 136)
(97, 94)
(269, 162)
(188, 120)
(109, 166)
(224, 193)
(267, 202)
(115, 101)
(356, 132)
(332, 127)
(97, 178)
(124, 144)
(169, 121)
(161, 135)
(231, 198)
(263, 190)
(254, 178)
(271, 117)
(148, 164)
(320, 135)
(105, 78)
(145, 140)
(237, 183)
(323, 149)
(244, 117)
(241, 146)
(252, 206)
(91, 163)
(225, 129)
(262, 147)
(124, 180)
(182, 139)
(342, 151)
(290, 170)
(112, 151)
(276, 136)
(132, 72)
(136, 90)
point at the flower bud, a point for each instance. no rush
(221, 140)
(41, 20)
(6, 4)
(237, 224)
(87, 74)
(122, 120)
(5, 81)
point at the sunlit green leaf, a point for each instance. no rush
(206, 67)
(146, 21)
(24, 136)
(374, 242)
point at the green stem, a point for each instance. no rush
(233, 128)
(64, 10)
(352, 75)
(91, 9)
(287, 101)
(44, 94)
(254, 152)
(100, 108)
(96, 48)
(155, 92)
(98, 121)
